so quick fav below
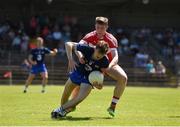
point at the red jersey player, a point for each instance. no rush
(114, 70)
(92, 38)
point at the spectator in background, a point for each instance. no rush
(171, 45)
(150, 67)
(24, 43)
(45, 32)
(3, 29)
(43, 20)
(11, 35)
(124, 43)
(66, 33)
(16, 43)
(32, 43)
(1, 52)
(134, 48)
(160, 68)
(75, 29)
(33, 25)
(33, 22)
(56, 35)
(141, 59)
(159, 37)
(61, 48)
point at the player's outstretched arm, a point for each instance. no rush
(69, 48)
(79, 54)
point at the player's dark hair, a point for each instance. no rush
(102, 47)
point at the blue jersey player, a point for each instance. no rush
(36, 59)
(94, 58)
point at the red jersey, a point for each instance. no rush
(91, 39)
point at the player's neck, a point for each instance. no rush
(100, 36)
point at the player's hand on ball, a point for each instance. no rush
(72, 65)
(98, 86)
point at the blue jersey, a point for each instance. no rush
(90, 64)
(38, 54)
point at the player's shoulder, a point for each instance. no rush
(85, 49)
(90, 35)
(110, 37)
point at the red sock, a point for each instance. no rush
(114, 102)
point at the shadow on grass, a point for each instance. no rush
(174, 116)
(70, 118)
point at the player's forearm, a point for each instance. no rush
(30, 59)
(115, 58)
(114, 61)
(78, 54)
(69, 48)
(32, 62)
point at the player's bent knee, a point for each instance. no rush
(118, 74)
(121, 75)
(45, 78)
(44, 75)
(124, 78)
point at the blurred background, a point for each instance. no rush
(148, 34)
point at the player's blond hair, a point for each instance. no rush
(102, 20)
(40, 39)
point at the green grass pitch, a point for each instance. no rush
(139, 106)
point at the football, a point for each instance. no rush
(96, 76)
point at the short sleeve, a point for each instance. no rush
(114, 43)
